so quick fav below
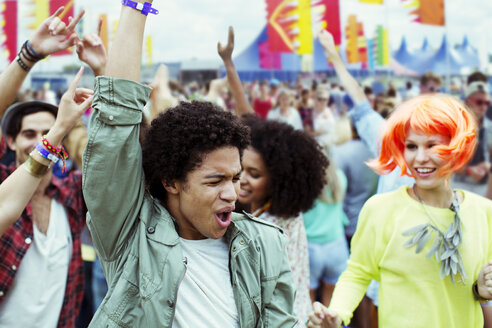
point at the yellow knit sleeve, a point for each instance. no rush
(368, 245)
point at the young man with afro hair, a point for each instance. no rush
(161, 216)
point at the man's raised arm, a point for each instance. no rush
(225, 52)
(113, 180)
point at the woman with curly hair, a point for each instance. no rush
(283, 174)
(428, 245)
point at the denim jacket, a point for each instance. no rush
(136, 239)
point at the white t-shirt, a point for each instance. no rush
(205, 297)
(293, 117)
(35, 298)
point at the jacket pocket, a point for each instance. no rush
(134, 287)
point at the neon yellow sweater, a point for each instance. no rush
(411, 293)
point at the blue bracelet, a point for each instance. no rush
(144, 8)
(46, 154)
(32, 52)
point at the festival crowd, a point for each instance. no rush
(313, 203)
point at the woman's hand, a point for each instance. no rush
(484, 281)
(328, 43)
(322, 318)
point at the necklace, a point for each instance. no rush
(445, 245)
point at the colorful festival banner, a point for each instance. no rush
(382, 46)
(304, 39)
(351, 34)
(8, 24)
(430, 12)
(291, 23)
(281, 23)
(267, 58)
(373, 2)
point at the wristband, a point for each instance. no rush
(30, 50)
(477, 294)
(35, 168)
(144, 8)
(22, 64)
(46, 154)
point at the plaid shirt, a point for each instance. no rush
(18, 237)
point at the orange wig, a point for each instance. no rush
(428, 114)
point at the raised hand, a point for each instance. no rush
(53, 35)
(225, 52)
(485, 281)
(322, 318)
(74, 102)
(91, 51)
(328, 43)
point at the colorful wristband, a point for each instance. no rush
(46, 154)
(144, 8)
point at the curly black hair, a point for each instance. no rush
(177, 140)
(295, 162)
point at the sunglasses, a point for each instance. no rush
(322, 99)
(480, 102)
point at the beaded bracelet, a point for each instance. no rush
(22, 64)
(46, 154)
(35, 168)
(59, 152)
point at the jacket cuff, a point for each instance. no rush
(119, 101)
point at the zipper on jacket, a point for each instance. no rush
(185, 262)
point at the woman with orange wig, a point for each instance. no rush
(429, 246)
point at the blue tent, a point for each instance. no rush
(468, 55)
(418, 61)
(438, 63)
(248, 63)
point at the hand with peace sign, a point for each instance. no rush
(91, 51)
(54, 35)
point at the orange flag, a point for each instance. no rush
(429, 12)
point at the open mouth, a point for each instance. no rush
(224, 218)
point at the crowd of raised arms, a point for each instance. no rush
(260, 204)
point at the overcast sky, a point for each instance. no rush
(186, 29)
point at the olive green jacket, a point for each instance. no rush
(136, 239)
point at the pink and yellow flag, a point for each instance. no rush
(291, 23)
(373, 2)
